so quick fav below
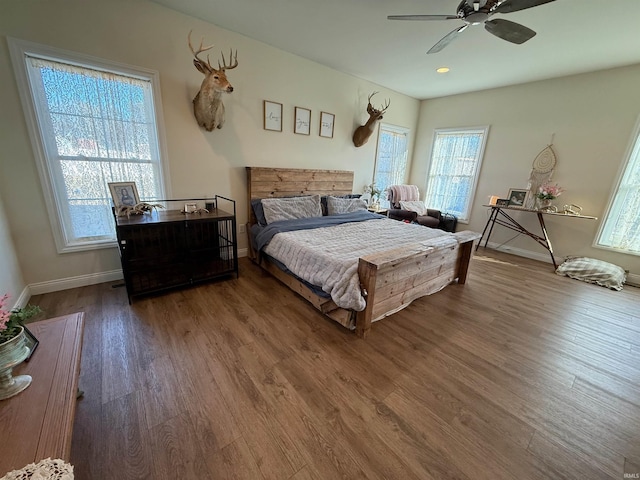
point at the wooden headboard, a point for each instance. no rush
(287, 182)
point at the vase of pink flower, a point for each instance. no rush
(13, 348)
(546, 194)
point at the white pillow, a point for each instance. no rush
(593, 271)
(336, 205)
(291, 208)
(414, 206)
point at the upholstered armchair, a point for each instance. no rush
(406, 206)
(430, 219)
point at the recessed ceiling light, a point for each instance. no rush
(442, 70)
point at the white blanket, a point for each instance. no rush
(328, 257)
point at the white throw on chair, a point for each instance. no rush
(405, 193)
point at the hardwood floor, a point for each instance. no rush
(519, 374)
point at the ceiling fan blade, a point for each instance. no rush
(516, 5)
(509, 31)
(423, 17)
(447, 39)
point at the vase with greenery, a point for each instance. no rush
(13, 349)
(374, 193)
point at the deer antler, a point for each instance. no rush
(231, 57)
(202, 63)
(369, 98)
(386, 105)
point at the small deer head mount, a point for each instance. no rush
(363, 132)
(207, 105)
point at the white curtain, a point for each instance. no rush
(391, 158)
(455, 161)
(622, 225)
(97, 127)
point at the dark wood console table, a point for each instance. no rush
(37, 423)
(501, 217)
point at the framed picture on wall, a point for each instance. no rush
(302, 123)
(326, 124)
(272, 116)
(124, 194)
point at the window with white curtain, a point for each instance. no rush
(391, 156)
(620, 230)
(456, 157)
(91, 125)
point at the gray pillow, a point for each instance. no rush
(593, 271)
(276, 209)
(337, 205)
(256, 204)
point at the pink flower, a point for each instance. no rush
(5, 315)
(549, 192)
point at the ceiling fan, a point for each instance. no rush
(475, 12)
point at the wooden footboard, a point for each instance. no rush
(391, 280)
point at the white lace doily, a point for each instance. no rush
(46, 469)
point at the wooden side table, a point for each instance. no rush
(379, 211)
(38, 422)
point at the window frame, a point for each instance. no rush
(484, 129)
(633, 145)
(19, 49)
(398, 130)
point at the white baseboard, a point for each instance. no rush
(74, 282)
(542, 257)
(23, 298)
(632, 279)
(79, 281)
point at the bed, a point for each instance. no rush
(386, 279)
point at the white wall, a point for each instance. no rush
(11, 281)
(592, 117)
(140, 33)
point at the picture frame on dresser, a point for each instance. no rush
(124, 194)
(30, 341)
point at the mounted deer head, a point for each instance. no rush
(363, 132)
(207, 105)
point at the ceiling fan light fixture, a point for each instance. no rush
(477, 12)
(443, 69)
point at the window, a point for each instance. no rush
(620, 230)
(456, 157)
(391, 157)
(91, 123)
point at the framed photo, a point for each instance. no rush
(517, 197)
(502, 202)
(326, 124)
(124, 194)
(272, 116)
(302, 123)
(30, 341)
